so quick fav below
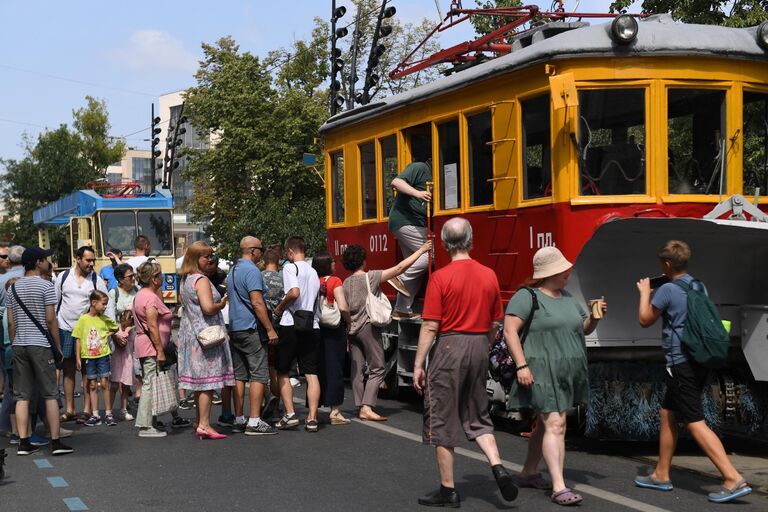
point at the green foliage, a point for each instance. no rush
(738, 13)
(92, 123)
(487, 24)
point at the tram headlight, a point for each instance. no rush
(762, 35)
(624, 29)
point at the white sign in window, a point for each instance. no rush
(451, 177)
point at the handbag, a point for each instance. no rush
(303, 320)
(164, 392)
(58, 357)
(170, 350)
(330, 316)
(378, 307)
(501, 365)
(212, 336)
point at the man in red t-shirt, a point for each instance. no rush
(462, 309)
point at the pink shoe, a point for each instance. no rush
(202, 433)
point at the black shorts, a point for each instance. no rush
(300, 345)
(684, 388)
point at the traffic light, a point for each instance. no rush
(155, 150)
(377, 50)
(337, 63)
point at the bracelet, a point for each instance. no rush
(521, 367)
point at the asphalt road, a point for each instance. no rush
(362, 466)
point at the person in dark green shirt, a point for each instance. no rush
(408, 223)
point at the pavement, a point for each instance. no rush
(362, 466)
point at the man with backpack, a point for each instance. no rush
(73, 289)
(251, 330)
(693, 339)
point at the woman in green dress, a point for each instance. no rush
(551, 366)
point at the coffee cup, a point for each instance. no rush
(597, 308)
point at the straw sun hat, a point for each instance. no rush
(549, 261)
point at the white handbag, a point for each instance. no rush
(212, 336)
(378, 307)
(330, 316)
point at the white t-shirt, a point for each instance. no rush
(75, 301)
(136, 262)
(309, 286)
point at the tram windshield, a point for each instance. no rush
(157, 227)
(696, 128)
(119, 231)
(755, 143)
(612, 141)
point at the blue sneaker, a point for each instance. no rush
(36, 440)
(93, 421)
(648, 482)
(13, 439)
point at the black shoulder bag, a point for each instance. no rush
(303, 320)
(501, 365)
(57, 355)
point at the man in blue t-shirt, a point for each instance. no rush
(107, 272)
(251, 330)
(685, 379)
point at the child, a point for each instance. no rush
(273, 294)
(685, 379)
(91, 334)
(122, 362)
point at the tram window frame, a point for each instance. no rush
(387, 191)
(714, 194)
(372, 214)
(523, 195)
(440, 175)
(643, 174)
(332, 192)
(762, 181)
(469, 162)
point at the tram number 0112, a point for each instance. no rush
(378, 243)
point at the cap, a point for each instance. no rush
(32, 255)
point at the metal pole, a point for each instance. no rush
(429, 231)
(353, 68)
(333, 58)
(152, 148)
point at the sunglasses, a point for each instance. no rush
(254, 248)
(3, 256)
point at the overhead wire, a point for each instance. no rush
(72, 80)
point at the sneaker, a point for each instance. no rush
(13, 439)
(186, 404)
(36, 440)
(64, 432)
(296, 383)
(216, 399)
(26, 448)
(226, 420)
(239, 428)
(179, 422)
(59, 448)
(262, 429)
(271, 408)
(310, 425)
(110, 421)
(287, 422)
(151, 432)
(126, 416)
(93, 421)
(398, 285)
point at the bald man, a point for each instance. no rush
(251, 331)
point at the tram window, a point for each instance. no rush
(337, 187)
(696, 127)
(118, 231)
(612, 142)
(419, 140)
(368, 180)
(388, 170)
(157, 227)
(480, 159)
(450, 166)
(755, 143)
(537, 165)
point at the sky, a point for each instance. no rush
(54, 53)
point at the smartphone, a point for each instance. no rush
(656, 282)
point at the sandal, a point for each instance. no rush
(724, 495)
(340, 420)
(535, 481)
(67, 416)
(566, 497)
(81, 419)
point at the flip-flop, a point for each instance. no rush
(67, 416)
(533, 481)
(648, 482)
(566, 497)
(725, 495)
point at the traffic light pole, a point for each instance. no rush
(333, 58)
(152, 149)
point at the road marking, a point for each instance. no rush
(584, 488)
(74, 504)
(57, 481)
(42, 464)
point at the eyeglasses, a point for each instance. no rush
(4, 256)
(129, 276)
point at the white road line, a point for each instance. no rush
(584, 488)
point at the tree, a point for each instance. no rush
(487, 24)
(57, 163)
(734, 13)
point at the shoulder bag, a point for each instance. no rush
(501, 365)
(171, 351)
(377, 306)
(303, 320)
(330, 316)
(57, 355)
(211, 336)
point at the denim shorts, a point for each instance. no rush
(97, 368)
(67, 344)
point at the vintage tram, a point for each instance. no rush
(605, 140)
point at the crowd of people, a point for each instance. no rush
(249, 328)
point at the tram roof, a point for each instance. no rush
(86, 202)
(658, 35)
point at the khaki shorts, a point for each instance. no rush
(455, 399)
(249, 356)
(34, 370)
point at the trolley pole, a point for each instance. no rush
(430, 235)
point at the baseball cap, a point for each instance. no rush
(32, 255)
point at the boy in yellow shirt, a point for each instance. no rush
(91, 334)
